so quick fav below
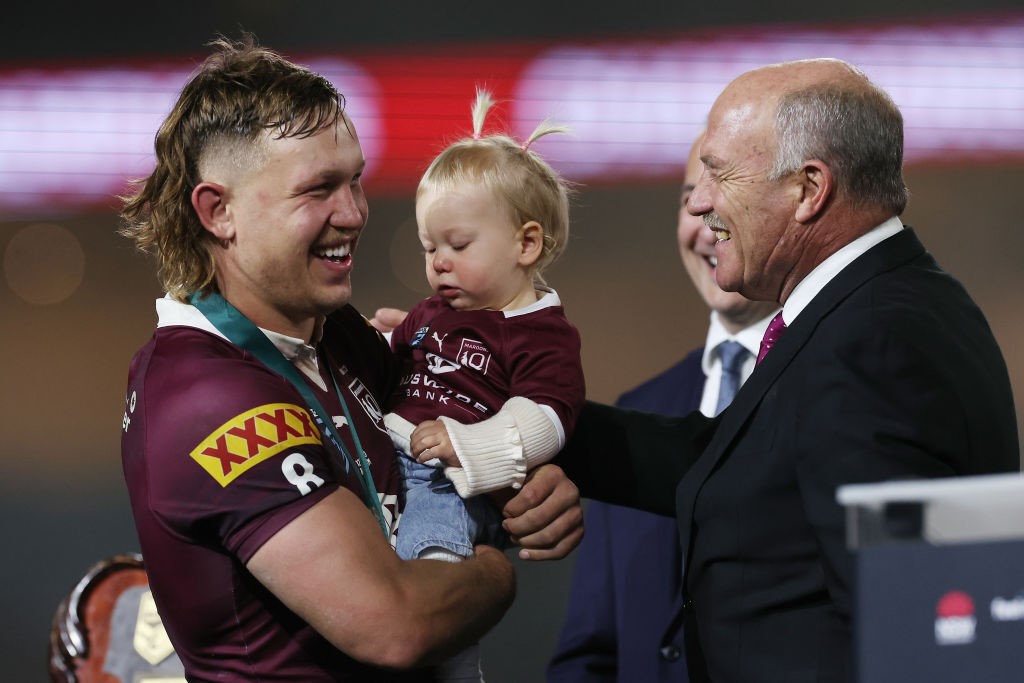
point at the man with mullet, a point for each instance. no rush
(262, 482)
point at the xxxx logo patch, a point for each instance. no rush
(252, 437)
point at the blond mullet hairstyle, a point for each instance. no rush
(521, 180)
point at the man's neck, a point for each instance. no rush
(816, 280)
(267, 317)
(735, 322)
(843, 226)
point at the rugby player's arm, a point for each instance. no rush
(333, 567)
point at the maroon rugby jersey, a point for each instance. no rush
(220, 453)
(466, 364)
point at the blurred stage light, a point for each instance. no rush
(72, 137)
(44, 263)
(637, 107)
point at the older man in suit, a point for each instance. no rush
(880, 366)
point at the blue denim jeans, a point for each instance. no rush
(435, 515)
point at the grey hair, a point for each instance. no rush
(857, 131)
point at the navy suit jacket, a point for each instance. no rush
(623, 621)
(890, 372)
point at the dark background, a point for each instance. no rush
(62, 503)
(55, 30)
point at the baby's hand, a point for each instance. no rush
(430, 440)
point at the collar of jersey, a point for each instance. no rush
(171, 312)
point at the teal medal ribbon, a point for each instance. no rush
(243, 333)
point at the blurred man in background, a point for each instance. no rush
(623, 621)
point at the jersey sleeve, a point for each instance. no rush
(546, 367)
(232, 453)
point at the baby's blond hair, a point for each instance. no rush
(519, 178)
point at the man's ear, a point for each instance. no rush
(210, 202)
(816, 188)
(531, 243)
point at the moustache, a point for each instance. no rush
(713, 221)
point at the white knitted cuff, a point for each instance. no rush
(536, 430)
(491, 454)
(400, 430)
(497, 452)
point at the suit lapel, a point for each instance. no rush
(888, 254)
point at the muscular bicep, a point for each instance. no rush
(332, 566)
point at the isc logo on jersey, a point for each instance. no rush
(252, 437)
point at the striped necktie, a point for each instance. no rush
(733, 355)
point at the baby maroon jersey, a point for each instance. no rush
(466, 364)
(219, 454)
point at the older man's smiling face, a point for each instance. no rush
(750, 215)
